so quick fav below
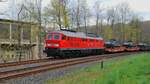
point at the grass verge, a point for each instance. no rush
(131, 70)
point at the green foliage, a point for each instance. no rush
(135, 70)
(108, 33)
(65, 18)
(135, 26)
(130, 71)
(59, 11)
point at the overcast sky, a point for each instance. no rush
(142, 7)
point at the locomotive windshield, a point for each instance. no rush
(53, 37)
(49, 37)
(56, 36)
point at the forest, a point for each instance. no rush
(115, 22)
(118, 22)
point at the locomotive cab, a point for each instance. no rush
(52, 43)
(53, 40)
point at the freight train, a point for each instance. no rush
(68, 44)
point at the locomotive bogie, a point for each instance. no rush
(69, 53)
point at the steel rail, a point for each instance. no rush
(56, 65)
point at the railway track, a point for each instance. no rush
(47, 65)
(10, 64)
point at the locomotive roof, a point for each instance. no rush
(77, 34)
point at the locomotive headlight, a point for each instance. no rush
(49, 44)
(56, 45)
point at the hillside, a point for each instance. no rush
(146, 30)
(144, 25)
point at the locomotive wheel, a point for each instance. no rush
(65, 54)
(78, 53)
(68, 54)
(74, 54)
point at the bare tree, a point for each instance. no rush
(35, 10)
(72, 14)
(65, 13)
(111, 19)
(58, 12)
(33, 13)
(124, 13)
(135, 24)
(98, 8)
(39, 11)
(85, 13)
(29, 17)
(78, 15)
(75, 14)
(20, 32)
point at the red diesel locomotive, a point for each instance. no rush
(66, 44)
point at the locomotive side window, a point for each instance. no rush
(68, 38)
(49, 37)
(56, 36)
(91, 40)
(83, 39)
(63, 37)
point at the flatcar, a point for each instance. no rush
(66, 44)
(130, 47)
(113, 46)
(144, 47)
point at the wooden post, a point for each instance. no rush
(102, 64)
(10, 32)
